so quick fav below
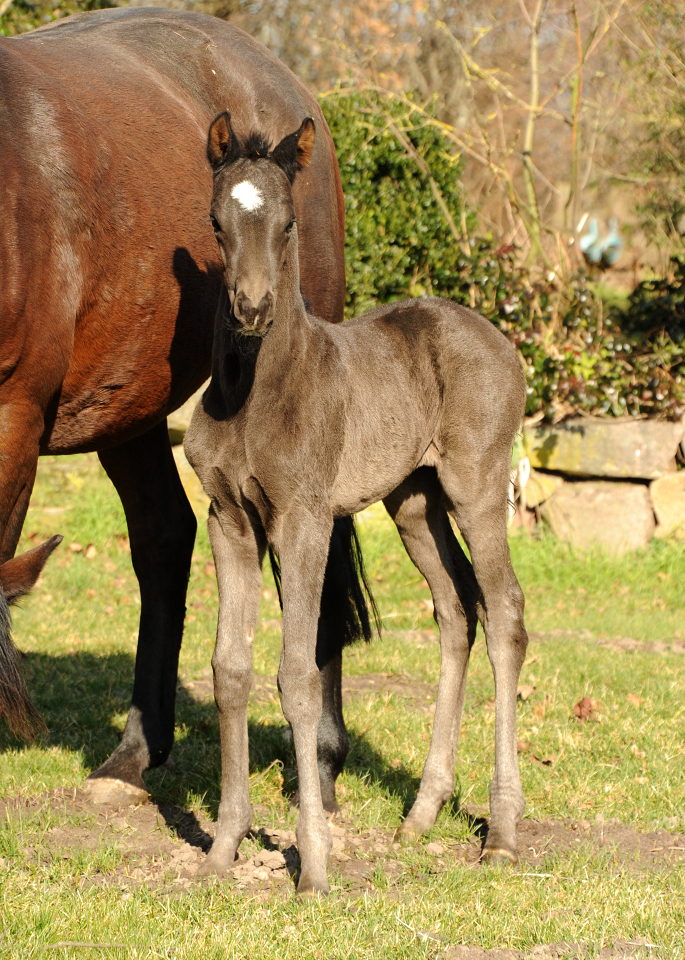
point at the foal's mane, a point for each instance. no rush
(255, 147)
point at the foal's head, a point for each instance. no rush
(253, 215)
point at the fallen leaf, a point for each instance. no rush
(635, 700)
(524, 691)
(91, 551)
(76, 547)
(522, 746)
(124, 544)
(209, 569)
(540, 710)
(586, 709)
(548, 761)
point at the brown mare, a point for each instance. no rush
(416, 404)
(109, 283)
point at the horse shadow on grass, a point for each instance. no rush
(84, 700)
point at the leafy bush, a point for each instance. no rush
(398, 241)
(25, 15)
(579, 356)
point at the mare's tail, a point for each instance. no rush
(17, 577)
(15, 705)
(346, 596)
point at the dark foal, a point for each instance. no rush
(109, 284)
(416, 404)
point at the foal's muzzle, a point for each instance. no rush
(253, 321)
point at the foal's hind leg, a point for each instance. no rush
(161, 527)
(238, 550)
(424, 526)
(478, 494)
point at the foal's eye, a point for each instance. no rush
(290, 225)
(216, 226)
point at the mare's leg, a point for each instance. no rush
(477, 491)
(238, 551)
(424, 527)
(161, 527)
(303, 554)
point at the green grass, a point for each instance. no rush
(79, 632)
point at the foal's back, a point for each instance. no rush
(421, 379)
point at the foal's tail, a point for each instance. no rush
(15, 705)
(346, 596)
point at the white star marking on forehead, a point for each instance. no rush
(247, 195)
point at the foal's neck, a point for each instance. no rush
(240, 360)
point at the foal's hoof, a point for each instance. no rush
(498, 857)
(115, 793)
(213, 867)
(311, 886)
(413, 827)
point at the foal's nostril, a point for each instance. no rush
(249, 315)
(265, 308)
(245, 310)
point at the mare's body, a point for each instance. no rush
(109, 282)
(417, 404)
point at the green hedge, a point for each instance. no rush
(398, 242)
(579, 355)
(26, 15)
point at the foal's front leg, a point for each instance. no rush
(303, 555)
(238, 551)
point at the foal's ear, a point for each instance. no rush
(222, 144)
(294, 152)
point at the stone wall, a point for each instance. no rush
(609, 483)
(613, 483)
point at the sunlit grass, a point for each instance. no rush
(79, 631)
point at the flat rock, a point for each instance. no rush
(540, 487)
(668, 499)
(616, 516)
(623, 448)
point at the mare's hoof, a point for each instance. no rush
(115, 793)
(498, 857)
(308, 886)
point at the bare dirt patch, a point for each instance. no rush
(162, 847)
